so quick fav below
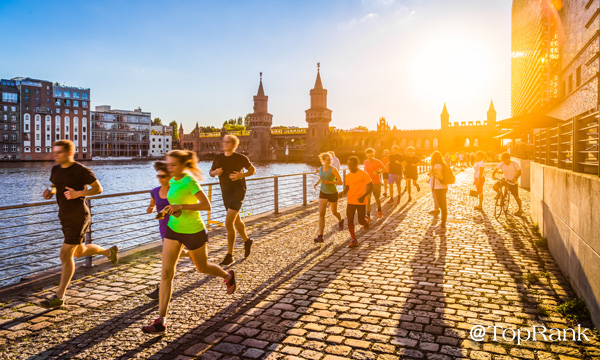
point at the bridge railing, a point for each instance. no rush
(30, 233)
(571, 145)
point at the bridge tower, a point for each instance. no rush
(260, 125)
(491, 116)
(318, 118)
(445, 118)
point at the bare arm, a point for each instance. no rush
(338, 178)
(202, 204)
(48, 193)
(94, 189)
(368, 191)
(494, 173)
(151, 207)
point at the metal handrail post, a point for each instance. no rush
(88, 236)
(276, 194)
(210, 201)
(304, 192)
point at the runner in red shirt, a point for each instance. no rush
(374, 168)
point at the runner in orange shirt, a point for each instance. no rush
(374, 168)
(357, 185)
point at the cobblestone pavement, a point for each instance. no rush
(408, 290)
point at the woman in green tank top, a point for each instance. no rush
(329, 178)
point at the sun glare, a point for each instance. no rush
(452, 67)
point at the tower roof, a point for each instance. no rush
(261, 91)
(318, 83)
(445, 110)
(491, 106)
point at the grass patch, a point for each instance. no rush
(574, 309)
(542, 243)
(531, 278)
(536, 228)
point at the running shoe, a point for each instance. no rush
(409, 199)
(418, 187)
(368, 217)
(353, 243)
(478, 208)
(157, 327)
(247, 247)
(519, 213)
(154, 294)
(227, 260)
(379, 214)
(114, 255)
(366, 225)
(52, 303)
(434, 212)
(230, 282)
(341, 225)
(319, 239)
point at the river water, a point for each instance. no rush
(30, 237)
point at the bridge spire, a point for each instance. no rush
(261, 91)
(318, 83)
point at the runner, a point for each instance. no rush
(329, 178)
(512, 173)
(395, 170)
(185, 227)
(386, 161)
(479, 178)
(374, 168)
(335, 162)
(228, 166)
(357, 186)
(438, 187)
(70, 181)
(411, 173)
(158, 200)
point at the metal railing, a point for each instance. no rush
(30, 233)
(571, 145)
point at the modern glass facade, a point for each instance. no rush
(536, 31)
(120, 133)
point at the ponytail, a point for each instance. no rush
(190, 160)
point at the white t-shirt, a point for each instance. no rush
(510, 171)
(335, 162)
(434, 182)
(479, 168)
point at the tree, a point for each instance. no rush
(175, 129)
(234, 127)
(157, 121)
(247, 120)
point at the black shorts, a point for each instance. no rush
(386, 176)
(352, 210)
(411, 175)
(74, 229)
(233, 198)
(514, 189)
(332, 198)
(191, 241)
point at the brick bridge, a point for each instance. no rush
(262, 142)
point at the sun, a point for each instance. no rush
(451, 67)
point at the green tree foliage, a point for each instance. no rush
(208, 129)
(157, 121)
(175, 129)
(234, 127)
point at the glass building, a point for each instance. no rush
(120, 133)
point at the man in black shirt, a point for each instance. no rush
(69, 181)
(228, 166)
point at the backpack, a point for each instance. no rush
(448, 175)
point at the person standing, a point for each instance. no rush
(357, 186)
(329, 177)
(386, 161)
(439, 188)
(335, 162)
(229, 167)
(411, 173)
(374, 168)
(395, 170)
(185, 227)
(479, 178)
(70, 181)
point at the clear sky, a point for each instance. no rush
(199, 60)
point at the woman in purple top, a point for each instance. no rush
(158, 200)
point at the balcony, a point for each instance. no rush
(43, 110)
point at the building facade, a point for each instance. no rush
(10, 121)
(161, 140)
(51, 112)
(120, 133)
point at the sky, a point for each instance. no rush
(199, 61)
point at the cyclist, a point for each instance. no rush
(479, 178)
(512, 173)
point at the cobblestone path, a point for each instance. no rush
(408, 290)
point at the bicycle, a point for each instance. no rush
(502, 201)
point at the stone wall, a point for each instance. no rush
(565, 205)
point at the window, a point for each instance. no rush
(57, 92)
(27, 149)
(84, 104)
(570, 83)
(37, 100)
(37, 127)
(26, 127)
(75, 95)
(67, 102)
(5, 148)
(48, 149)
(37, 136)
(13, 148)
(57, 137)
(66, 111)
(38, 149)
(13, 118)
(84, 112)
(13, 137)
(26, 91)
(67, 93)
(48, 137)
(9, 97)
(58, 110)
(57, 102)
(578, 76)
(13, 127)
(5, 127)
(12, 108)
(37, 91)
(75, 137)
(26, 98)
(75, 103)
(5, 137)
(83, 137)
(84, 96)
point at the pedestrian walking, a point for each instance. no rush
(411, 173)
(439, 187)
